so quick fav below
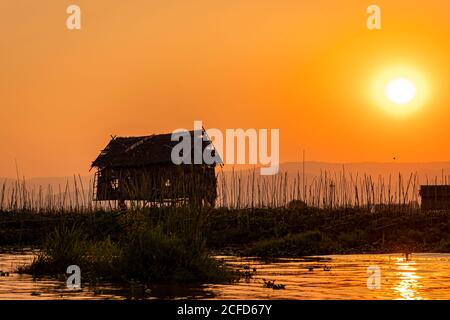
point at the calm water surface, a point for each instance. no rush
(424, 276)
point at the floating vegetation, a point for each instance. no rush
(247, 272)
(272, 285)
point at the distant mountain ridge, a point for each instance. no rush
(425, 172)
(373, 168)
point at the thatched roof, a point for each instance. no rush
(140, 151)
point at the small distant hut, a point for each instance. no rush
(435, 197)
(141, 169)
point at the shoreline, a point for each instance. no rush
(262, 232)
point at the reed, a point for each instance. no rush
(238, 190)
(328, 190)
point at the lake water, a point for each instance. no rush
(423, 276)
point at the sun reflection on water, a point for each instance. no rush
(409, 281)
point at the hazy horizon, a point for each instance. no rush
(310, 165)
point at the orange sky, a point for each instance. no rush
(141, 67)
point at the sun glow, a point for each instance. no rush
(400, 90)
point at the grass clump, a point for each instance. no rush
(146, 255)
(69, 245)
(153, 256)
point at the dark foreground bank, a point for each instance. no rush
(258, 232)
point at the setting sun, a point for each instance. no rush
(400, 91)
